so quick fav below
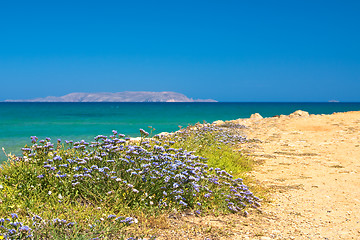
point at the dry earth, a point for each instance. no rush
(311, 166)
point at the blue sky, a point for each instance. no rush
(225, 50)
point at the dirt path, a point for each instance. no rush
(312, 166)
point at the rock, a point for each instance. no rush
(300, 113)
(218, 122)
(136, 139)
(256, 116)
(265, 238)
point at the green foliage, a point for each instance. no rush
(217, 145)
(80, 190)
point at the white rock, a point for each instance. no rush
(256, 116)
(300, 113)
(218, 122)
(265, 238)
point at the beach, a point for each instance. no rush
(305, 168)
(201, 120)
(310, 166)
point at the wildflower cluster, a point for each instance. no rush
(117, 172)
(11, 228)
(218, 143)
(227, 133)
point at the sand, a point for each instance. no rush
(311, 166)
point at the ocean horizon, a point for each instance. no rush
(77, 121)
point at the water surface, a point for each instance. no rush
(76, 121)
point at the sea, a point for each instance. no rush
(84, 121)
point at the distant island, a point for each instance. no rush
(118, 97)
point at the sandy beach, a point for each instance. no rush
(311, 165)
(308, 167)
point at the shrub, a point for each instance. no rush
(90, 184)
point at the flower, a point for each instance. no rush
(33, 139)
(36, 217)
(70, 224)
(135, 190)
(24, 229)
(143, 132)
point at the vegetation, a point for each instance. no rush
(106, 188)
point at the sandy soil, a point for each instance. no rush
(312, 166)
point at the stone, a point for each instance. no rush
(256, 116)
(265, 238)
(218, 122)
(300, 113)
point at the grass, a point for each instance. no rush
(115, 188)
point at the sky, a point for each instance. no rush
(228, 50)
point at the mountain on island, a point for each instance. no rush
(118, 97)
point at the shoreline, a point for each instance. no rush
(309, 165)
(13, 149)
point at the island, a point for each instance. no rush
(128, 96)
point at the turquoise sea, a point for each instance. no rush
(77, 121)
